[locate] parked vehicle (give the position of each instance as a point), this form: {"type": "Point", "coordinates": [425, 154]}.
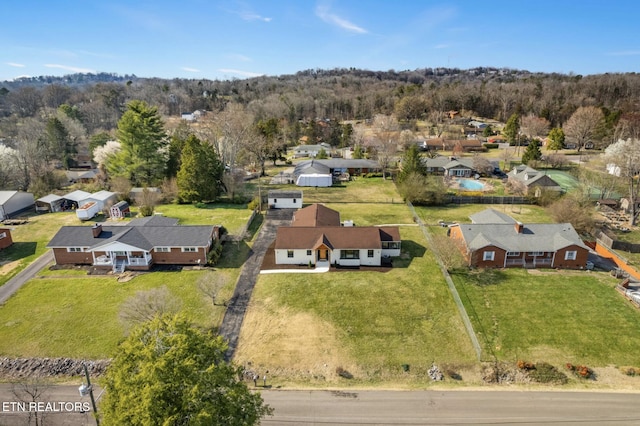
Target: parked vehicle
{"type": "Point", "coordinates": [88, 210]}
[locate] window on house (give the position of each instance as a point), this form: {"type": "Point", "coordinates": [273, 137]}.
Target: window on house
{"type": "Point", "coordinates": [349, 254]}
{"type": "Point", "coordinates": [308, 252]}
{"type": "Point", "coordinates": [294, 201]}
{"type": "Point", "coordinates": [189, 249]}
{"type": "Point", "coordinates": [121, 253]}
{"type": "Point", "coordinates": [513, 253]}
{"type": "Point", "coordinates": [162, 249]}
{"type": "Point", "coordinates": [369, 253]}
{"type": "Point", "coordinates": [488, 255]}
{"type": "Point", "coordinates": [536, 253]}
{"type": "Point", "coordinates": [275, 200]}
{"type": "Point", "coordinates": [289, 253]}
{"type": "Point", "coordinates": [3, 235]}
{"type": "Point", "coordinates": [74, 249]}
{"type": "Point", "coordinates": [390, 245]}
{"type": "Point", "coordinates": [570, 255]}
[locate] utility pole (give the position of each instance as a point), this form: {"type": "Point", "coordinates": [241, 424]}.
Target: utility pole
{"type": "Point", "coordinates": [90, 390]}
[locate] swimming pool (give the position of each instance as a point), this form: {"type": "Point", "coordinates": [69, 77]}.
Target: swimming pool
{"type": "Point", "coordinates": [470, 185]}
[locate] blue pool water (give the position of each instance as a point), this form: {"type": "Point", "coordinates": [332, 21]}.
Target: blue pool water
{"type": "Point", "coordinates": [470, 185]}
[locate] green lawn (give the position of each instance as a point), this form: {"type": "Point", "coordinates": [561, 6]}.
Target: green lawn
{"type": "Point", "coordinates": [556, 317]}
{"type": "Point", "coordinates": [78, 317]}
{"type": "Point", "coordinates": [461, 213]}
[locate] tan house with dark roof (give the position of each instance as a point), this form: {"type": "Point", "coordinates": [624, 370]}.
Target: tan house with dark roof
{"type": "Point", "coordinates": [317, 236]}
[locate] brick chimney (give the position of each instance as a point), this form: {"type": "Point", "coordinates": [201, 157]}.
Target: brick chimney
{"type": "Point", "coordinates": [519, 227]}
{"type": "Point", "coordinates": [97, 230]}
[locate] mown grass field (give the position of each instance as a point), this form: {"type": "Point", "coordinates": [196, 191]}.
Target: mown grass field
{"type": "Point", "coordinates": [553, 316]}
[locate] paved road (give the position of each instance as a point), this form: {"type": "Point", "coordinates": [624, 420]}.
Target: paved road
{"type": "Point", "coordinates": [233, 317]}
{"type": "Point", "coordinates": [14, 284]}
{"type": "Point", "coordinates": [451, 408]}
{"type": "Point", "coordinates": [353, 407]}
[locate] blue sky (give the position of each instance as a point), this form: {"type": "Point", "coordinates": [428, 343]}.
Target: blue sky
{"type": "Point", "coordinates": [239, 39]}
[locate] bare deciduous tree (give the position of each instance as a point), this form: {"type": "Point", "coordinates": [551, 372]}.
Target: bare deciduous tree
{"type": "Point", "coordinates": [146, 305]}
{"type": "Point", "coordinates": [534, 127]}
{"type": "Point", "coordinates": [624, 156]}
{"type": "Point", "coordinates": [582, 126]}
{"type": "Point", "coordinates": [385, 128]}
{"type": "Point", "coordinates": [33, 389]}
{"type": "Point", "coordinates": [211, 284]}
{"type": "Point", "coordinates": [448, 252]}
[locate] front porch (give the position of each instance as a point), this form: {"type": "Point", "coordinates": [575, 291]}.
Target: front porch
{"type": "Point", "coordinates": [118, 261]}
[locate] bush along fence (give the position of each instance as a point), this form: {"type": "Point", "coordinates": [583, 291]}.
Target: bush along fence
{"type": "Point", "coordinates": [450, 284]}
{"type": "Point", "coordinates": [489, 199]}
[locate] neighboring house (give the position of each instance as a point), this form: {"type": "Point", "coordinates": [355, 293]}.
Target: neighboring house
{"type": "Point", "coordinates": [477, 124]}
{"type": "Point", "coordinates": [49, 203]}
{"type": "Point", "coordinates": [495, 240]}
{"type": "Point", "coordinates": [284, 199]}
{"type": "Point", "coordinates": [316, 236]}
{"type": "Point", "coordinates": [138, 245]}
{"type": "Point", "coordinates": [450, 166]}
{"type": "Point", "coordinates": [466, 145]}
{"type": "Point", "coordinates": [310, 150]}
{"type": "Point", "coordinates": [5, 238]}
{"type": "Point", "coordinates": [13, 203]}
{"type": "Point", "coordinates": [188, 116]}
{"type": "Point", "coordinates": [82, 176]}
{"type": "Point", "coordinates": [531, 181]}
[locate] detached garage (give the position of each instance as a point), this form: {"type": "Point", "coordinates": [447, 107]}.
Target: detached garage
{"type": "Point", "coordinates": [12, 203]}
{"type": "Point", "coordinates": [314, 179]}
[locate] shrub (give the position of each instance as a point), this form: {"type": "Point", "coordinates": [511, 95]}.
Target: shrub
{"type": "Point", "coordinates": [491, 145]}
{"type": "Point", "coordinates": [343, 373]}
{"type": "Point", "coordinates": [214, 254]}
{"type": "Point", "coordinates": [547, 373]}
{"type": "Point", "coordinates": [524, 365]}
{"type": "Point", "coordinates": [201, 205]}
{"type": "Point", "coordinates": [253, 204]}
{"type": "Point", "coordinates": [581, 371]}
{"type": "Point", "coordinates": [631, 371]}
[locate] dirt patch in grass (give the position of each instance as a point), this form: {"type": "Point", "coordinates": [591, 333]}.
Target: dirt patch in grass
{"type": "Point", "coordinates": [298, 345]}
{"type": "Point", "coordinates": [7, 267]}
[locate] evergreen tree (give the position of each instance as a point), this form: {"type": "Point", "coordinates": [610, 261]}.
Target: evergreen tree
{"type": "Point", "coordinates": [143, 156]}
{"type": "Point", "coordinates": [59, 143]}
{"type": "Point", "coordinates": [532, 153]}
{"type": "Point", "coordinates": [512, 128]}
{"type": "Point", "coordinates": [167, 372]}
{"type": "Point", "coordinates": [322, 154]}
{"type": "Point", "coordinates": [358, 153]}
{"type": "Point", "coordinates": [556, 139]}
{"type": "Point", "coordinates": [200, 172]}
{"type": "Point", "coordinates": [411, 163]}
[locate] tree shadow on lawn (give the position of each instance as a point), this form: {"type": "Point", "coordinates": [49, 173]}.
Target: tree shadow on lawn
{"type": "Point", "coordinates": [410, 250]}
{"type": "Point", "coordinates": [18, 251]}
{"type": "Point", "coordinates": [481, 277]}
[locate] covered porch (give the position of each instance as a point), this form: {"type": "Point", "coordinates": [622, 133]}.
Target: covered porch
{"type": "Point", "coordinates": [119, 257]}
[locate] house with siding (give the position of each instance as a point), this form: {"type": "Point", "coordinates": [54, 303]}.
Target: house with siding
{"type": "Point", "coordinates": [531, 181]}
{"type": "Point", "coordinates": [138, 245]}
{"type": "Point", "coordinates": [450, 166]}
{"type": "Point", "coordinates": [317, 236]}
{"type": "Point", "coordinates": [495, 240]}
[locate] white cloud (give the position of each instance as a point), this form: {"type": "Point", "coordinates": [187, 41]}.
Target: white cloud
{"type": "Point", "coordinates": [239, 57]}
{"type": "Point", "coordinates": [70, 68]}
{"type": "Point", "coordinates": [250, 16]}
{"type": "Point", "coordinates": [323, 13]}
{"type": "Point", "coordinates": [13, 64]}
{"type": "Point", "coordinates": [441, 46]}
{"type": "Point", "coordinates": [240, 72]}
{"type": "Point", "coordinates": [190, 69]}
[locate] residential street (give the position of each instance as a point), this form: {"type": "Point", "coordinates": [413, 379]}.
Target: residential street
{"type": "Point", "coordinates": [354, 407]}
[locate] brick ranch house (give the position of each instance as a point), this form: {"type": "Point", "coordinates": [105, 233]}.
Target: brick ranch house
{"type": "Point", "coordinates": [495, 240]}
{"type": "Point", "coordinates": [317, 236]}
{"type": "Point", "coordinates": [137, 245]}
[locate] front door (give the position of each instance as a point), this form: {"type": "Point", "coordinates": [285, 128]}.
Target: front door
{"type": "Point", "coordinates": [323, 254]}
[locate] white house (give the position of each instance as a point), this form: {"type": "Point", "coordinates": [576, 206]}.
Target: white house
{"type": "Point", "coordinates": [316, 236]}
{"type": "Point", "coordinates": [285, 199]}
{"type": "Point", "coordinates": [15, 202]}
